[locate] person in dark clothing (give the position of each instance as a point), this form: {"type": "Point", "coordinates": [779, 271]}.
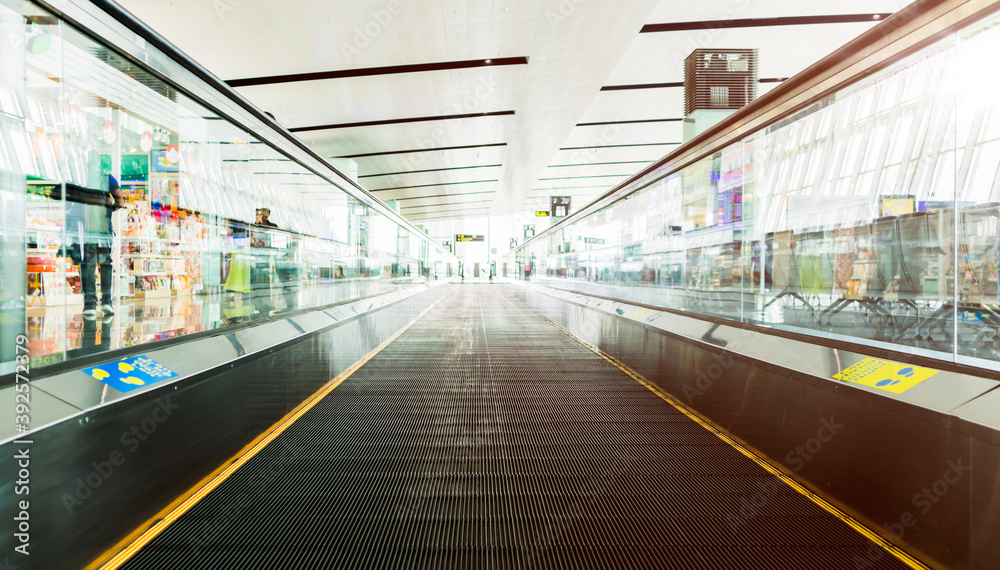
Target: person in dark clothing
{"type": "Point", "coordinates": [262, 215]}
{"type": "Point", "coordinates": [90, 234]}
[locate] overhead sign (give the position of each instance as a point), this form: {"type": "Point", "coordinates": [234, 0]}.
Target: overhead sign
{"type": "Point", "coordinates": [469, 237]}
{"type": "Point", "coordinates": [131, 373]}
{"type": "Point", "coordinates": [885, 375]}
{"type": "Point", "coordinates": [559, 206]}
{"type": "Point", "coordinates": [597, 241]}
{"type": "Point", "coordinates": [529, 231]}
{"type": "Point", "coordinates": [541, 213]}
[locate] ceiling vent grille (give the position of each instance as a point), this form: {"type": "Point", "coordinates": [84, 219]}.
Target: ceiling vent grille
{"type": "Point", "coordinates": [719, 79]}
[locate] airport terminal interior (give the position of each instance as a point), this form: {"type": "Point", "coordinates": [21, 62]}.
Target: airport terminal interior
{"type": "Point", "coordinates": [499, 284]}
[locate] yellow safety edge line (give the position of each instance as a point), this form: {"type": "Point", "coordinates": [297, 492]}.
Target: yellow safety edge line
{"type": "Point", "coordinates": [892, 549]}
{"type": "Point", "coordinates": [130, 545]}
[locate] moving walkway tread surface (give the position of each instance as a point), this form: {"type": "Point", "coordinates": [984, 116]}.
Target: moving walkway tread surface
{"type": "Point", "coordinates": [484, 437]}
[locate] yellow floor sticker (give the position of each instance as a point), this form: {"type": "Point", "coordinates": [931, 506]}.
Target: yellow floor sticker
{"type": "Point", "coordinates": [885, 375]}
{"type": "Point", "coordinates": [638, 313]}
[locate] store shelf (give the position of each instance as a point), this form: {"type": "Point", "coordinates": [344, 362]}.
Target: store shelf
{"type": "Point", "coordinates": [161, 293]}
{"type": "Point", "coordinates": [150, 239]}
{"type": "Point", "coordinates": [36, 301]}
{"type": "Point", "coordinates": [67, 273]}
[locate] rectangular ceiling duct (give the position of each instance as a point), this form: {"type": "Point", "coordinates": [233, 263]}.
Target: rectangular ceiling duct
{"type": "Point", "coordinates": [719, 79]}
{"type": "Point", "coordinates": [716, 83]}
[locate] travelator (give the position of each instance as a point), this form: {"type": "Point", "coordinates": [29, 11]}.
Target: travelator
{"type": "Point", "coordinates": [859, 281]}
{"type": "Point", "coordinates": [113, 415]}
{"type": "Point", "coordinates": [446, 424]}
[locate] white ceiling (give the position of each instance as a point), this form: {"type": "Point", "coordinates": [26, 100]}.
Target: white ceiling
{"type": "Point", "coordinates": [574, 47]}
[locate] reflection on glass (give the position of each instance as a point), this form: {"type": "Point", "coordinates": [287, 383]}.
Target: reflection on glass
{"type": "Point", "coordinates": [130, 211]}
{"type": "Point", "coordinates": [873, 216]}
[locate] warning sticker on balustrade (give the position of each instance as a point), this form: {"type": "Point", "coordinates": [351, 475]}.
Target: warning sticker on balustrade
{"type": "Point", "coordinates": [131, 373]}
{"type": "Point", "coordinates": [885, 375]}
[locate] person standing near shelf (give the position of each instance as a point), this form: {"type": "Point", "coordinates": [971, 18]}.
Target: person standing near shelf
{"type": "Point", "coordinates": [262, 215]}
{"type": "Point", "coordinates": [90, 234]}
{"type": "Point", "coordinates": [263, 262]}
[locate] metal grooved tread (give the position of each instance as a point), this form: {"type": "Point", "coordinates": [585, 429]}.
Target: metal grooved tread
{"type": "Point", "coordinates": [483, 437]}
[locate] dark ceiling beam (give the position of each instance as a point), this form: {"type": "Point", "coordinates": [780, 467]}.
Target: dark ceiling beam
{"type": "Point", "coordinates": [431, 170]}
{"type": "Point", "coordinates": [456, 214]}
{"type": "Point", "coordinates": [618, 145]}
{"type": "Point", "coordinates": [448, 217]}
{"type": "Point", "coordinates": [633, 122]}
{"type": "Point", "coordinates": [445, 204]}
{"type": "Point", "coordinates": [592, 176]}
{"type": "Point", "coordinates": [373, 71]}
{"type": "Point", "coordinates": [561, 188]}
{"type": "Point", "coordinates": [673, 84]}
{"type": "Point", "coordinates": [445, 214]}
{"type": "Point", "coordinates": [256, 160]}
{"type": "Point", "coordinates": [382, 122]}
{"type": "Point", "coordinates": [763, 22]}
{"type": "Point", "coordinates": [417, 150]}
{"type": "Point", "coordinates": [441, 195]}
{"type": "Point", "coordinates": [601, 163]}
{"type": "Point", "coordinates": [642, 86]}
{"type": "Point", "coordinates": [432, 185]}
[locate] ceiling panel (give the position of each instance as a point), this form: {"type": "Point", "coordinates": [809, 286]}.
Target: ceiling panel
{"type": "Point", "coordinates": [395, 96]}
{"type": "Point", "coordinates": [573, 49]}
{"type": "Point", "coordinates": [440, 191]}
{"type": "Point", "coordinates": [613, 154]}
{"type": "Point", "coordinates": [664, 103]}
{"type": "Point", "coordinates": [436, 134]}
{"type": "Point", "coordinates": [624, 134]}
{"type": "Point", "coordinates": [659, 57]}
{"type": "Point", "coordinates": [426, 158]}
{"type": "Point", "coordinates": [461, 174]}
{"type": "Point", "coordinates": [696, 11]}
{"type": "Point", "coordinates": [610, 171]}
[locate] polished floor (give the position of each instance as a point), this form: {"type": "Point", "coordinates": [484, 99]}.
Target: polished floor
{"type": "Point", "coordinates": [63, 332]}
{"type": "Point", "coordinates": [484, 437]}
{"type": "Point", "coordinates": [933, 328]}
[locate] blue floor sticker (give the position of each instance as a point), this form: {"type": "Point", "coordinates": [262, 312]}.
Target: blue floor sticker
{"type": "Point", "coordinates": [131, 373]}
